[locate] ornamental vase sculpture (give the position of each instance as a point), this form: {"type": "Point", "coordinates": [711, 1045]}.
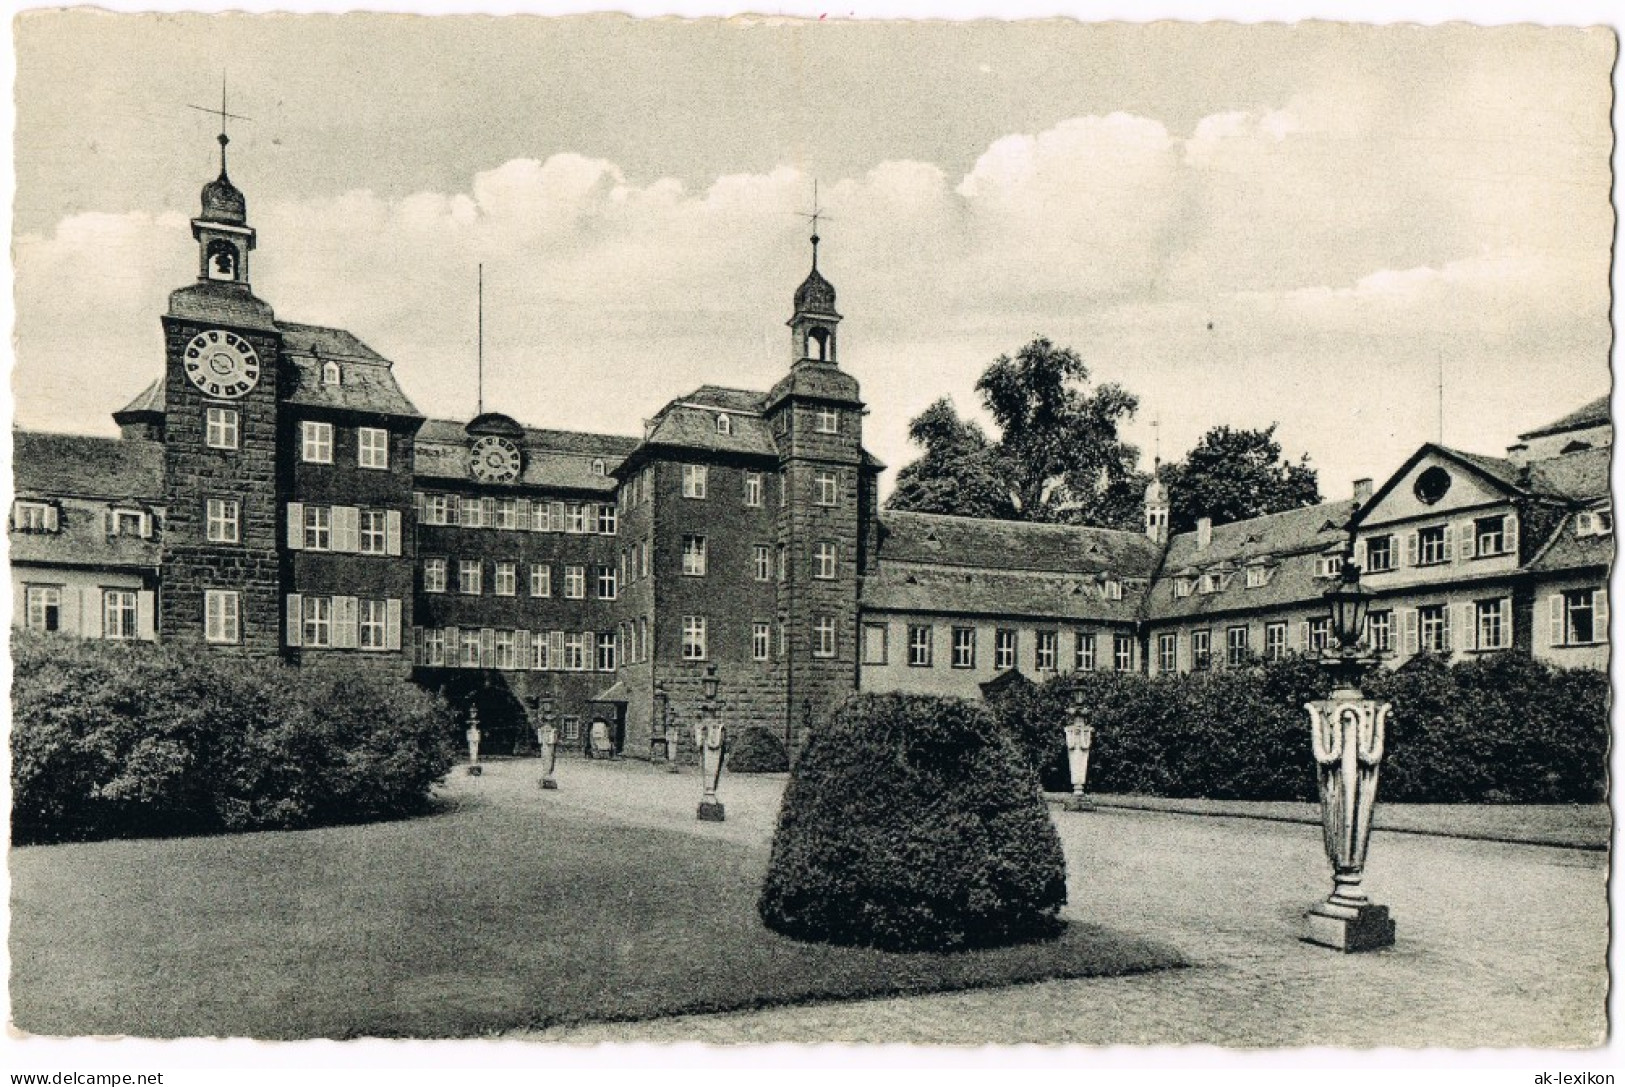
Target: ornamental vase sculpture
{"type": "Point", "coordinates": [1079, 739]}
{"type": "Point", "coordinates": [473, 738]}
{"type": "Point", "coordinates": [1346, 732]}
{"type": "Point", "coordinates": [711, 738]}
{"type": "Point", "coordinates": [547, 739]}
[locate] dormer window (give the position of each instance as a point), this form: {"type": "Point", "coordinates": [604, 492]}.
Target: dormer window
{"type": "Point", "coordinates": [1182, 587]}
{"type": "Point", "coordinates": [128, 522]}
{"type": "Point", "coordinates": [33, 517]}
{"type": "Point", "coordinates": [725, 425]}
{"type": "Point", "coordinates": [1328, 565]}
{"type": "Point", "coordinates": [598, 467]}
{"type": "Point", "coordinates": [1258, 576]}
{"type": "Point", "coordinates": [1209, 584]}
{"type": "Point", "coordinates": [1598, 522]}
{"type": "Point", "coordinates": [1111, 589]}
{"type": "Point", "coordinates": [331, 374]}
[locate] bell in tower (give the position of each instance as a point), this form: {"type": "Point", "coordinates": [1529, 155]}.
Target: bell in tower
{"type": "Point", "coordinates": [812, 329]}
{"type": "Point", "coordinates": [223, 235]}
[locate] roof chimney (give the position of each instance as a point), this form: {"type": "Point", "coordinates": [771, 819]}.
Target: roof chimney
{"type": "Point", "coordinates": [1362, 491]}
{"type": "Point", "coordinates": [1518, 453]}
{"type": "Point", "coordinates": [1204, 533]}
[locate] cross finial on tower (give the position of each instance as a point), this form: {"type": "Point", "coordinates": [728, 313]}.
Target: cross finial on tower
{"type": "Point", "coordinates": [813, 216]}
{"type": "Point", "coordinates": [1156, 438]}
{"type": "Point", "coordinates": [223, 115]}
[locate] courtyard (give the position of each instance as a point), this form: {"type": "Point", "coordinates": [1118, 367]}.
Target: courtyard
{"type": "Point", "coordinates": [605, 912]}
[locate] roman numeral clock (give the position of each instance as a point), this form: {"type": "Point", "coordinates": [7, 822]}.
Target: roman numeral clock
{"type": "Point", "coordinates": [222, 364]}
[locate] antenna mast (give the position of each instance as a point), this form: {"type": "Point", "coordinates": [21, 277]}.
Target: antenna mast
{"type": "Point", "coordinates": [1439, 357]}
{"type": "Point", "coordinates": [480, 343]}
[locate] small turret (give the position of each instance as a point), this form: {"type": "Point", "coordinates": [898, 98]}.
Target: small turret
{"type": "Point", "coordinates": [1156, 507]}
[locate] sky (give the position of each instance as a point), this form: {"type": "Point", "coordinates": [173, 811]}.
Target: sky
{"type": "Point", "coordinates": [1303, 225]}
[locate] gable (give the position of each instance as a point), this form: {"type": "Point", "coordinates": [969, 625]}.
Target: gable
{"type": "Point", "coordinates": [1465, 487]}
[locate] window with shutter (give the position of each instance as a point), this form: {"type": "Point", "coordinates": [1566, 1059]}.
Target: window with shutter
{"type": "Point", "coordinates": [1412, 549]}
{"type": "Point", "coordinates": [1413, 635]}
{"type": "Point", "coordinates": [1467, 627]}
{"type": "Point", "coordinates": [296, 526]}
{"type": "Point", "coordinates": [1465, 544]}
{"type": "Point", "coordinates": [1599, 604]}
{"type": "Point", "coordinates": [1554, 604]}
{"type": "Point", "coordinates": [392, 625]}
{"type": "Point", "coordinates": [296, 620]}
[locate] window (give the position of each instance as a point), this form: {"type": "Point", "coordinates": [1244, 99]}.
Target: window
{"type": "Point", "coordinates": [468, 577]}
{"type": "Point", "coordinates": [1201, 650]}
{"type": "Point", "coordinates": [693, 637]}
{"type": "Point", "coordinates": [1235, 647]}
{"type": "Point", "coordinates": [607, 582]}
{"type": "Point", "coordinates": [470, 655]}
{"type": "Point", "coordinates": [1182, 587]}
{"type": "Point", "coordinates": [1433, 620]}
{"type": "Point", "coordinates": [541, 650]}
{"type": "Point", "coordinates": [828, 421]}
{"type": "Point", "coordinates": [824, 637]}
{"type": "Point", "coordinates": [331, 375]}
{"type": "Point", "coordinates": [606, 520]}
{"type": "Point", "coordinates": [1084, 653]}
{"type": "Point", "coordinates": [694, 481]}
{"type": "Point", "coordinates": [1379, 554]}
{"type": "Point", "coordinates": [920, 642]}
{"type": "Point", "coordinates": [434, 575]}
{"type": "Point", "coordinates": [783, 561]}
{"type": "Point", "coordinates": [44, 607]}
{"type": "Point", "coordinates": [374, 525]}
{"type": "Point", "coordinates": [1490, 536]}
{"type": "Point", "coordinates": [1433, 545]}
{"type": "Point", "coordinates": [694, 556]}
{"type": "Point", "coordinates": [824, 488]}
{"type": "Point", "coordinates": [1491, 623]}
{"type": "Point", "coordinates": [643, 636]}
{"type": "Point", "coordinates": [372, 447]}
{"type": "Point", "coordinates": [541, 579]}
{"type": "Point", "coordinates": [1209, 583]}
{"type": "Point", "coordinates": [374, 624]}
{"type": "Point", "coordinates": [505, 583]}
{"type": "Point", "coordinates": [1004, 650]}
{"type": "Point", "coordinates": [505, 513]}
{"type": "Point", "coordinates": [575, 518]}
{"type": "Point", "coordinates": [34, 517]}
{"type": "Point", "coordinates": [725, 425]}
{"type": "Point", "coordinates": [220, 428]}
{"type": "Point", "coordinates": [575, 583]}
{"type": "Point", "coordinates": [1111, 589]}
{"type": "Point", "coordinates": [504, 650]}
{"type": "Point", "coordinates": [1168, 652]}
{"type": "Point", "coordinates": [222, 616]}
{"type": "Point", "coordinates": [118, 614]}
{"type": "Point", "coordinates": [1123, 652]}
{"type": "Point", "coordinates": [317, 442]}
{"type": "Point", "coordinates": [1046, 650]}
{"type": "Point", "coordinates": [224, 520]}
{"type": "Point", "coordinates": [1318, 634]}
{"type": "Point", "coordinates": [576, 647]}
{"type": "Point", "coordinates": [874, 643]}
{"type": "Point", "coordinates": [1598, 522]}
{"type": "Point", "coordinates": [763, 562]}
{"type": "Point", "coordinates": [541, 517]}
{"type": "Point", "coordinates": [437, 509]}
{"type": "Point", "coordinates": [1257, 576]}
{"type": "Point", "coordinates": [129, 523]}
{"type": "Point", "coordinates": [1328, 565]}
{"type": "Point", "coordinates": [1275, 641]}
{"type": "Point", "coordinates": [1379, 626]}
{"type": "Point", "coordinates": [318, 528]}
{"type": "Point", "coordinates": [606, 652]}
{"type": "Point", "coordinates": [318, 621]}
{"type": "Point", "coordinates": [643, 558]}
{"type": "Point", "coordinates": [433, 652]}
{"type": "Point", "coordinates": [824, 561]}
{"type": "Point", "coordinates": [599, 468]}
{"type": "Point", "coordinates": [753, 489]}
{"type": "Point", "coordinates": [1579, 617]}
{"type": "Point", "coordinates": [761, 641]}
{"type": "Point", "coordinates": [572, 729]}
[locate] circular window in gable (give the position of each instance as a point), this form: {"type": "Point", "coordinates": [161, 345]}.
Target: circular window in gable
{"type": "Point", "coordinates": [1432, 485]}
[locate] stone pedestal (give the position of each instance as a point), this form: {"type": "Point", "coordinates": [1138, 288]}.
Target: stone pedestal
{"type": "Point", "coordinates": [475, 771]}
{"type": "Point", "coordinates": [1076, 802]}
{"type": "Point", "coordinates": [1349, 928]}
{"type": "Point", "coordinates": [711, 812]}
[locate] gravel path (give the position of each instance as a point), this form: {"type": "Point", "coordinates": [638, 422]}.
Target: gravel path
{"type": "Point", "coordinates": [1498, 944]}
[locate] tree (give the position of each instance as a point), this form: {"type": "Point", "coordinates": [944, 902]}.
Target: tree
{"type": "Point", "coordinates": [1232, 475]}
{"type": "Point", "coordinates": [1058, 457]}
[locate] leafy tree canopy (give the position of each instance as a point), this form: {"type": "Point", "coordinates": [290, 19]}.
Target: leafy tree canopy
{"type": "Point", "coordinates": [1232, 475]}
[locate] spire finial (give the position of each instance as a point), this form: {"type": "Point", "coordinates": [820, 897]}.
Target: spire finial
{"type": "Point", "coordinates": [814, 215]}
{"type": "Point", "coordinates": [223, 115]}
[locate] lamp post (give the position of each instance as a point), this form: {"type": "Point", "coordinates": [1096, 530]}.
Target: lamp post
{"type": "Point", "coordinates": [711, 739]}
{"type": "Point", "coordinates": [1080, 737]}
{"type": "Point", "coordinates": [1346, 733]}
{"type": "Point", "coordinates": [473, 738]}
{"type": "Point", "coordinates": [663, 709]}
{"type": "Point", "coordinates": [547, 742]}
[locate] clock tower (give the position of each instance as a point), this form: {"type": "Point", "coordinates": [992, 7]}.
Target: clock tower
{"type": "Point", "coordinates": [223, 368]}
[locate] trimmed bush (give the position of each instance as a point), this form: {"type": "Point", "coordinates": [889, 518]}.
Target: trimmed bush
{"type": "Point", "coordinates": [913, 823]}
{"type": "Point", "coordinates": [122, 740]}
{"type": "Point", "coordinates": [1502, 728]}
{"type": "Point", "coordinates": [757, 751]}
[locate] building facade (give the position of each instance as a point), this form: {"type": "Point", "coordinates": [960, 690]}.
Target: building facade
{"type": "Point", "coordinates": [275, 493]}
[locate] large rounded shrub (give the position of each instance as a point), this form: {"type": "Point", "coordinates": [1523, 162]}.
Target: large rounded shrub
{"type": "Point", "coordinates": [757, 751]}
{"type": "Point", "coordinates": [913, 823]}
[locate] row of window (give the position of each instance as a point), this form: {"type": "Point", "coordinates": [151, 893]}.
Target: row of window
{"type": "Point", "coordinates": [348, 529]}
{"type": "Point", "coordinates": [1433, 545]}
{"type": "Point", "coordinates": [505, 579]}
{"type": "Point", "coordinates": [695, 638]}
{"type": "Point", "coordinates": [316, 441]}
{"type": "Point", "coordinates": [517, 514]}
{"type": "Point", "coordinates": [119, 612]}
{"type": "Point", "coordinates": [825, 421]}
{"type": "Point", "coordinates": [697, 485]}
{"type": "Point", "coordinates": [962, 648]}
{"type": "Point", "coordinates": [543, 650]}
{"type": "Point", "coordinates": [32, 515]}
{"type": "Point", "coordinates": [343, 622]}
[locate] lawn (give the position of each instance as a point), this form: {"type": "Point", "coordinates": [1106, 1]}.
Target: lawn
{"type": "Point", "coordinates": [504, 909]}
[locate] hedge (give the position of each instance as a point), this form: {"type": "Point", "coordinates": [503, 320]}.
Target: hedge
{"type": "Point", "coordinates": [1502, 728]}
{"type": "Point", "coordinates": [912, 823]}
{"type": "Point", "coordinates": [116, 740]}
{"type": "Point", "coordinates": [757, 751]}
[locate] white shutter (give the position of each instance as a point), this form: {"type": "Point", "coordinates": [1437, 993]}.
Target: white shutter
{"type": "Point", "coordinates": [1444, 628]}
{"type": "Point", "coordinates": [296, 526]}
{"type": "Point", "coordinates": [90, 612]}
{"type": "Point", "coordinates": [392, 532]}
{"type": "Point", "coordinates": [556, 649]}
{"type": "Point", "coordinates": [454, 510]}
{"type": "Point", "coordinates": [556, 515]}
{"type": "Point", "coordinates": [1467, 627]}
{"type": "Point", "coordinates": [346, 622]}
{"type": "Point", "coordinates": [296, 620]}
{"type": "Point", "coordinates": [146, 602]}
{"type": "Point", "coordinates": [146, 526]}
{"type": "Point", "coordinates": [1303, 636]}
{"type": "Point", "coordinates": [1466, 542]}
{"type": "Point", "coordinates": [392, 625]}
{"type": "Point", "coordinates": [488, 512]}
{"type": "Point", "coordinates": [346, 529]}
{"type": "Point", "coordinates": [1413, 633]}
{"type": "Point", "coordinates": [1360, 557]}
{"type": "Point", "coordinates": [1555, 608]}
{"type": "Point", "coordinates": [522, 513]}
{"type": "Point", "coordinates": [1449, 544]}
{"type": "Point", "coordinates": [453, 653]}
{"type": "Point", "coordinates": [52, 513]}
{"type": "Point", "coordinates": [1506, 623]}
{"type": "Point", "coordinates": [488, 647]}
{"type": "Point", "coordinates": [1412, 549]}
{"type": "Point", "coordinates": [417, 505]}
{"type": "Point", "coordinates": [1509, 526]}
{"type": "Point", "coordinates": [1599, 615]}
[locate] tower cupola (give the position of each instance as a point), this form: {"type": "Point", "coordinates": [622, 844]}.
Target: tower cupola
{"type": "Point", "coordinates": [1156, 507]}
{"type": "Point", "coordinates": [223, 235]}
{"type": "Point", "coordinates": [812, 327]}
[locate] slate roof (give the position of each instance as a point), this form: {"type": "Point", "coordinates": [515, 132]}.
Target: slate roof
{"type": "Point", "coordinates": [1499, 469]}
{"type": "Point", "coordinates": [229, 303]}
{"type": "Point", "coordinates": [1592, 414]}
{"type": "Point", "coordinates": [938, 539]}
{"type": "Point", "coordinates": [81, 539]}
{"type": "Point", "coordinates": [75, 465]}
{"type": "Point", "coordinates": [961, 590]}
{"type": "Point", "coordinates": [1580, 476]}
{"type": "Point", "coordinates": [685, 426]}
{"type": "Point", "coordinates": [367, 381]}
{"type": "Point", "coordinates": [1568, 551]}
{"type": "Point", "coordinates": [1310, 528]}
{"type": "Point", "coordinates": [554, 459]}
{"type": "Point", "coordinates": [150, 401]}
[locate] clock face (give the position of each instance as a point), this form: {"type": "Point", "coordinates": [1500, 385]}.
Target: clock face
{"type": "Point", "coordinates": [494, 460]}
{"type": "Point", "coordinates": [222, 363]}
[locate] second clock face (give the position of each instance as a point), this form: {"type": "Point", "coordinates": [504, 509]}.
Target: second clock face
{"type": "Point", "coordinates": [494, 460]}
{"type": "Point", "coordinates": [222, 363]}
